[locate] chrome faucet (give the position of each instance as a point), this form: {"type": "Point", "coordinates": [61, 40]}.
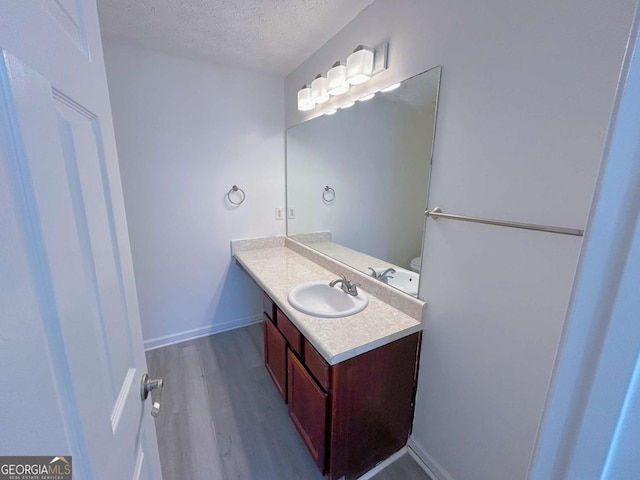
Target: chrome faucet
{"type": "Point", "coordinates": [373, 272]}
{"type": "Point", "coordinates": [348, 287]}
{"type": "Point", "coordinates": [386, 275]}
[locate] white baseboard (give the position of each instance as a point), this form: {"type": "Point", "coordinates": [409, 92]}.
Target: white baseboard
{"type": "Point", "coordinates": [384, 464]}
{"type": "Point", "coordinates": [159, 342]}
{"type": "Point", "coordinates": [426, 462]}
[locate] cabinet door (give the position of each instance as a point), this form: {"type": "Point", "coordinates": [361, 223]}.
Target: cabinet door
{"type": "Point", "coordinates": [308, 410]}
{"type": "Point", "coordinates": [275, 356]}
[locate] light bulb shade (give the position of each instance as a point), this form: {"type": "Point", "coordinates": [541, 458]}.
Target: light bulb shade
{"type": "Point", "coordinates": [337, 80]}
{"type": "Point", "coordinates": [359, 66]}
{"type": "Point", "coordinates": [391, 88]}
{"type": "Point", "coordinates": [319, 92]}
{"type": "Point", "coordinates": [305, 103]}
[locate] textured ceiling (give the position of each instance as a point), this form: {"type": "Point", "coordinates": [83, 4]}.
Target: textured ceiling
{"type": "Point", "coordinates": [273, 36]}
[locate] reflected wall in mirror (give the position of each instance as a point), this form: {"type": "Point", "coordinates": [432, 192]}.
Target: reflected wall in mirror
{"type": "Point", "coordinates": [375, 158]}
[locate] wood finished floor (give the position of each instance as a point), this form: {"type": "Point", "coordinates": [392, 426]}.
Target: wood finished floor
{"type": "Point", "coordinates": [222, 418]}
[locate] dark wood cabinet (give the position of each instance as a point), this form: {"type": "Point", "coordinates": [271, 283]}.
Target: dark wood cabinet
{"type": "Point", "coordinates": [318, 367]}
{"type": "Point", "coordinates": [275, 356]}
{"type": "Point", "coordinates": [308, 410]}
{"type": "Point", "coordinates": [372, 401]}
{"type": "Point", "coordinates": [352, 415]}
{"type": "Point", "coordinates": [268, 307]}
{"type": "Point", "coordinates": [290, 332]}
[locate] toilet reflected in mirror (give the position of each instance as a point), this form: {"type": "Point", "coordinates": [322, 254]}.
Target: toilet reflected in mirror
{"type": "Point", "coordinates": [415, 264]}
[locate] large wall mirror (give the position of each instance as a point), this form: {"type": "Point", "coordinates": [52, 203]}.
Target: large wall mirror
{"type": "Point", "coordinates": [357, 181]}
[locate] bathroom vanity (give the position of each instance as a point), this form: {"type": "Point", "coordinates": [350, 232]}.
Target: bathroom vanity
{"type": "Point", "coordinates": [349, 382]}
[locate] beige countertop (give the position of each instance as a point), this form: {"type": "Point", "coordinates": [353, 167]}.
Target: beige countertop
{"type": "Point", "coordinates": [278, 269]}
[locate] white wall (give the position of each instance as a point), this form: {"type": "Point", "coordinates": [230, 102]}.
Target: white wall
{"type": "Point", "coordinates": [379, 171]}
{"type": "Point", "coordinates": [186, 132]}
{"type": "Point", "coordinates": [526, 93]}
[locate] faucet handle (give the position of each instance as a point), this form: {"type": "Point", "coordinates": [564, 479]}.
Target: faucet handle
{"type": "Point", "coordinates": [373, 272]}
{"type": "Point", "coordinates": [347, 286]}
{"type": "Point", "coordinates": [352, 288]}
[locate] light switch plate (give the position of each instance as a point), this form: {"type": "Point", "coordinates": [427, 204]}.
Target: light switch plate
{"type": "Point", "coordinates": [279, 213]}
{"type": "Point", "coordinates": [291, 212]}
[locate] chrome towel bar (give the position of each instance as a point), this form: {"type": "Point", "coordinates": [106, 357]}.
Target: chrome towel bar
{"type": "Point", "coordinates": [437, 213]}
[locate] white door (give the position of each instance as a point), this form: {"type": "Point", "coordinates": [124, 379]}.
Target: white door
{"type": "Point", "coordinates": [71, 356]}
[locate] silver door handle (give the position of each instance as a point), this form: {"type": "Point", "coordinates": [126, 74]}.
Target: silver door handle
{"type": "Point", "coordinates": [146, 386]}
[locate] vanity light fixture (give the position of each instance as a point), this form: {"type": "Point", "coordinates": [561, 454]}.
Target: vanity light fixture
{"type": "Point", "coordinates": [319, 92]}
{"type": "Point", "coordinates": [367, 97]}
{"type": "Point", "coordinates": [331, 112]}
{"type": "Point", "coordinates": [304, 99]}
{"type": "Point", "coordinates": [360, 65]}
{"type": "Point", "coordinates": [337, 79]}
{"type": "Point", "coordinates": [391, 88]}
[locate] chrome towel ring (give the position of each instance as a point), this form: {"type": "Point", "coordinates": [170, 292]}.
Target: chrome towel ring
{"type": "Point", "coordinates": [236, 188]}
{"type": "Point", "coordinates": [328, 194]}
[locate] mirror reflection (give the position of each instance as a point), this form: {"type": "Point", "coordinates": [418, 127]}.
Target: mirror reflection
{"type": "Point", "coordinates": [357, 181]}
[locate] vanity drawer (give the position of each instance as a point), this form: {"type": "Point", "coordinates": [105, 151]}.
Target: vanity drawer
{"type": "Point", "coordinates": [268, 307]}
{"type": "Point", "coordinates": [317, 365]}
{"type": "Point", "coordinates": [289, 331]}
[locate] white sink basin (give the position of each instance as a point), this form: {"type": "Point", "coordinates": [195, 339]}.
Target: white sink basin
{"type": "Point", "coordinates": [404, 280]}
{"type": "Point", "coordinates": [321, 300]}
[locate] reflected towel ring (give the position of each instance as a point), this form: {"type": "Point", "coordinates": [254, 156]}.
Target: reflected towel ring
{"type": "Point", "coordinates": [236, 188]}
{"type": "Point", "coordinates": [329, 194]}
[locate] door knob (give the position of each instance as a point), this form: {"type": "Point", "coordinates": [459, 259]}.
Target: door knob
{"type": "Point", "coordinates": [146, 386]}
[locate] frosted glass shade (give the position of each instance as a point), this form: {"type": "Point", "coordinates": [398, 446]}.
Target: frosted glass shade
{"type": "Point", "coordinates": [337, 80]}
{"type": "Point", "coordinates": [367, 97]}
{"type": "Point", "coordinates": [305, 103]}
{"type": "Point", "coordinates": [391, 88]}
{"type": "Point", "coordinates": [359, 66]}
{"type": "Point", "coordinates": [319, 93]}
